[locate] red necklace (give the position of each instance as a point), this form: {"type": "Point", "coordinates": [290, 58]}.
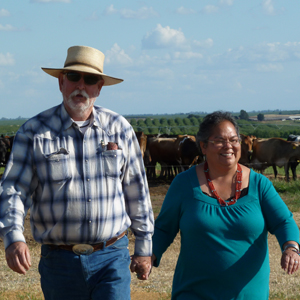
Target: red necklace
{"type": "Point", "coordinates": [238, 185]}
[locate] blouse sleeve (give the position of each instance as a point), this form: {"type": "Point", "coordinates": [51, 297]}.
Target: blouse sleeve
{"type": "Point", "coordinates": [279, 220]}
{"type": "Point", "coordinates": [167, 223]}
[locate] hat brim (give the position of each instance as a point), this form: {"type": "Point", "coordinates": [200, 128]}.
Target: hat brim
{"type": "Point", "coordinates": [108, 80]}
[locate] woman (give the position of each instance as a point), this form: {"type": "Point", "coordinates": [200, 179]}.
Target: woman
{"type": "Point", "coordinates": [224, 212]}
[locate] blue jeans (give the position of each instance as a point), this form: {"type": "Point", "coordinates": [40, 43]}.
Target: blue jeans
{"type": "Point", "coordinates": [104, 274]}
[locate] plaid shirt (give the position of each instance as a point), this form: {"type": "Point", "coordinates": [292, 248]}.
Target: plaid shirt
{"type": "Point", "coordinates": [76, 189]}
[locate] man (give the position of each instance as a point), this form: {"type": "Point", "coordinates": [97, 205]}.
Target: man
{"type": "Point", "coordinates": [79, 169]}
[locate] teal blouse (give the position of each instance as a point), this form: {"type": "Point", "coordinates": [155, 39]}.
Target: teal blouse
{"type": "Point", "coordinates": [224, 250]}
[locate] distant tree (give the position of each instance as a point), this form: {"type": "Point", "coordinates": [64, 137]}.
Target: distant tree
{"type": "Point", "coordinates": [141, 123]}
{"type": "Point", "coordinates": [148, 122]}
{"type": "Point", "coordinates": [260, 117]}
{"type": "Point", "coordinates": [163, 121]}
{"type": "Point", "coordinates": [133, 122]}
{"type": "Point", "coordinates": [171, 122]}
{"type": "Point", "coordinates": [244, 115]}
{"type": "Point", "coordinates": [194, 121]}
{"type": "Point", "coordinates": [156, 122]}
{"type": "Point", "coordinates": [186, 121]}
{"type": "Point", "coordinates": [179, 121]}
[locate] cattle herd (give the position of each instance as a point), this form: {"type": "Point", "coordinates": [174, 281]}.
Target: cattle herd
{"type": "Point", "coordinates": [178, 153]}
{"type": "Point", "coordinates": [6, 143]}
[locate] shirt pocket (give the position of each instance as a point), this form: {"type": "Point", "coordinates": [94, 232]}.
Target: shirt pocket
{"type": "Point", "coordinates": [113, 161]}
{"type": "Point", "coordinates": [58, 165]}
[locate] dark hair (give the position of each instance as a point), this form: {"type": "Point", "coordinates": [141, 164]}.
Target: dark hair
{"type": "Point", "coordinates": [210, 121]}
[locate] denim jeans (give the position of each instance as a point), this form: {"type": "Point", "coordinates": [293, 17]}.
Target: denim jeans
{"type": "Point", "coordinates": [104, 274]}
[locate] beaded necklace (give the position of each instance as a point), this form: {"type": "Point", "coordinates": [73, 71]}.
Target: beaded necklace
{"type": "Point", "coordinates": [238, 185]}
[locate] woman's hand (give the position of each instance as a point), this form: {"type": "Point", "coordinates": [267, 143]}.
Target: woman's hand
{"type": "Point", "coordinates": [290, 261]}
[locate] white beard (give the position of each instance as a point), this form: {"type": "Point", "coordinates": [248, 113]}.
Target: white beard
{"type": "Point", "coordinates": [80, 106]}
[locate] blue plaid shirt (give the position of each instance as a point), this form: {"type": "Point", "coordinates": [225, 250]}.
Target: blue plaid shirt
{"type": "Point", "coordinates": [76, 189]}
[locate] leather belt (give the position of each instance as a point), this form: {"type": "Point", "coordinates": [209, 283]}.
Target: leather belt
{"type": "Point", "coordinates": [86, 249]}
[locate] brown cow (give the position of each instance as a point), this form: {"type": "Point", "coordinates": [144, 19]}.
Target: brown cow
{"type": "Point", "coordinates": [162, 151]}
{"type": "Point", "coordinates": [188, 152]}
{"type": "Point", "coordinates": [174, 154]}
{"type": "Point", "coordinates": [274, 152]}
{"type": "Point", "coordinates": [246, 149]}
{"type": "Point", "coordinates": [142, 139]}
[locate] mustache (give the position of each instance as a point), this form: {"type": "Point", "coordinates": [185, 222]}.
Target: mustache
{"type": "Point", "coordinates": [78, 92]}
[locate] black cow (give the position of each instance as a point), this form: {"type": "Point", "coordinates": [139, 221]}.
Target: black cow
{"type": "Point", "coordinates": [3, 153]}
{"type": "Point", "coordinates": [7, 141]}
{"type": "Point", "coordinates": [293, 162]}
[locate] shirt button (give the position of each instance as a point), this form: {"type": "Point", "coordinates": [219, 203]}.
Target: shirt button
{"type": "Point", "coordinates": [90, 221]}
{"type": "Point", "coordinates": [88, 179]}
{"type": "Point", "coordinates": [90, 200]}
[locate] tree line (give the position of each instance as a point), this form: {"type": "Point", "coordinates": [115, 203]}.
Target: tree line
{"type": "Point", "coordinates": [190, 125]}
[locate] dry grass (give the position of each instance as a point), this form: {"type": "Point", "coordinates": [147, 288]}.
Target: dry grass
{"type": "Point", "coordinates": [14, 286]}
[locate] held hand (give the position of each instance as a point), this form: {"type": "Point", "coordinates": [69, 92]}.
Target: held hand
{"type": "Point", "coordinates": [290, 261]}
{"type": "Point", "coordinates": [141, 265]}
{"type": "Point", "coordinates": [18, 257]}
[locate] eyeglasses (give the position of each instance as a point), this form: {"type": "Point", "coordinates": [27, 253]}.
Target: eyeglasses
{"type": "Point", "coordinates": [221, 143]}
{"type": "Point", "coordinates": [89, 79]}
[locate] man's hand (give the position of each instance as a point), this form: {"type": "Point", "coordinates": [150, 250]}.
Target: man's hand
{"type": "Point", "coordinates": [141, 265]}
{"type": "Point", "coordinates": [18, 257]}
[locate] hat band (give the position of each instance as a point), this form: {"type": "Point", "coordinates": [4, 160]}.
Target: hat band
{"type": "Point", "coordinates": [88, 65]}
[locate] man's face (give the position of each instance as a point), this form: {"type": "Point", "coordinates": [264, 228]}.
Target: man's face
{"type": "Point", "coordinates": [79, 94]}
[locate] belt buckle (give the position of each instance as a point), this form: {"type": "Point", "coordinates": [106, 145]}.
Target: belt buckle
{"type": "Point", "coordinates": [83, 249]}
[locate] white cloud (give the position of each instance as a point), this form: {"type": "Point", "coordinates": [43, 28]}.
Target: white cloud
{"type": "Point", "coordinates": [4, 13]}
{"type": "Point", "coordinates": [6, 59]}
{"type": "Point", "coordinates": [110, 10]}
{"type": "Point", "coordinates": [185, 11]}
{"type": "Point", "coordinates": [50, 1]}
{"type": "Point", "coordinates": [268, 7]}
{"type": "Point", "coordinates": [116, 55]}
{"type": "Point", "coordinates": [237, 86]}
{"type": "Point", "coordinates": [161, 73]}
{"type": "Point", "coordinates": [208, 43]}
{"type": "Point", "coordinates": [210, 9]}
{"type": "Point", "coordinates": [141, 14]}
{"type": "Point", "coordinates": [7, 27]}
{"type": "Point", "coordinates": [266, 54]}
{"type": "Point", "coordinates": [226, 2]}
{"type": "Point", "coordinates": [92, 17]}
{"type": "Point", "coordinates": [163, 37]}
{"type": "Point", "coordinates": [187, 55]}
{"type": "Point", "coordinates": [30, 92]}
{"type": "Point", "coordinates": [269, 67]}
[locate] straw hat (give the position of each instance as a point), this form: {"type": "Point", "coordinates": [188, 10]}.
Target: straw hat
{"type": "Point", "coordinates": [84, 59]}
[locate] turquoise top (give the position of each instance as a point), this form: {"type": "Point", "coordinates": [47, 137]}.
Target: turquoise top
{"type": "Point", "coordinates": [224, 249]}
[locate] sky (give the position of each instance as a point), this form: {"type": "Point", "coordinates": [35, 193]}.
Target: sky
{"type": "Point", "coordinates": [174, 56]}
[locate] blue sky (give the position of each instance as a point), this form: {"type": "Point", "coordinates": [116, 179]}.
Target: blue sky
{"type": "Point", "coordinates": [174, 56]}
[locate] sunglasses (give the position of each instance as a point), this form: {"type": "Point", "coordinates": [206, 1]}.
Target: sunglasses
{"type": "Point", "coordinates": [89, 79]}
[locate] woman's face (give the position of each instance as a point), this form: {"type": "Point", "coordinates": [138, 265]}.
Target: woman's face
{"type": "Point", "coordinates": [223, 146]}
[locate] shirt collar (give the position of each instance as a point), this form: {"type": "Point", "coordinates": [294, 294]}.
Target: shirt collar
{"type": "Point", "coordinates": [67, 121]}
